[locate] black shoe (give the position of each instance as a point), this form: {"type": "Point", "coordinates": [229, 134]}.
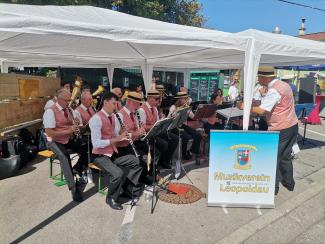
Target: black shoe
{"type": "Point", "coordinates": [113, 204]}
{"type": "Point", "coordinates": [276, 191]}
{"type": "Point", "coordinates": [289, 187]}
{"type": "Point", "coordinates": [147, 180]}
{"type": "Point", "coordinates": [76, 194]}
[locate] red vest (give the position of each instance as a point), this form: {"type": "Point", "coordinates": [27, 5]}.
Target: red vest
{"type": "Point", "coordinates": [129, 124]}
{"type": "Point", "coordinates": [61, 123]}
{"type": "Point", "coordinates": [151, 117]}
{"type": "Point", "coordinates": [85, 116]}
{"type": "Point", "coordinates": [108, 132]}
{"type": "Point", "coordinates": [283, 114]}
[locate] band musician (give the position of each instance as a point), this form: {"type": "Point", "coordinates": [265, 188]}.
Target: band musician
{"type": "Point", "coordinates": [188, 133]}
{"type": "Point", "coordinates": [118, 92]}
{"type": "Point", "coordinates": [277, 104]}
{"type": "Point", "coordinates": [60, 125]}
{"type": "Point", "coordinates": [105, 134]}
{"type": "Point", "coordinates": [166, 143]}
{"type": "Point", "coordinates": [131, 123]}
{"type": "Point", "coordinates": [84, 110]}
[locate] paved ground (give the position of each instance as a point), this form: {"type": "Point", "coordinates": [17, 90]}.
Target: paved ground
{"type": "Point", "coordinates": [33, 210]}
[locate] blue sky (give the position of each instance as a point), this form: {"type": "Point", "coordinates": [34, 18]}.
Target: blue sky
{"type": "Point", "coordinates": [239, 15]}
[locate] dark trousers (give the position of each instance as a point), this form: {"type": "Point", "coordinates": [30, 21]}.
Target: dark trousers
{"type": "Point", "coordinates": [284, 171]}
{"type": "Point", "coordinates": [208, 127]}
{"type": "Point", "coordinates": [61, 151]}
{"type": "Point", "coordinates": [120, 169]}
{"type": "Point", "coordinates": [190, 133]}
{"type": "Point", "coordinates": [170, 144]}
{"type": "Point", "coordinates": [142, 149]}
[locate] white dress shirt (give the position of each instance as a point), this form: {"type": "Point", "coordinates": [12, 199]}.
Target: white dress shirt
{"type": "Point", "coordinates": [95, 125]}
{"type": "Point", "coordinates": [172, 111]}
{"type": "Point", "coordinates": [271, 98]}
{"type": "Point", "coordinates": [233, 92]}
{"type": "Point", "coordinates": [49, 117]}
{"type": "Point", "coordinates": [49, 104]}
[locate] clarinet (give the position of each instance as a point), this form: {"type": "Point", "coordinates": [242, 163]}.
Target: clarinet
{"type": "Point", "coordinates": [129, 138]}
{"type": "Point", "coordinates": [75, 123]}
{"type": "Point", "coordinates": [140, 124]}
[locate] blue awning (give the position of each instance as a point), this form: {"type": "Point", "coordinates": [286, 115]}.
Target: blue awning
{"type": "Point", "coordinates": [317, 67]}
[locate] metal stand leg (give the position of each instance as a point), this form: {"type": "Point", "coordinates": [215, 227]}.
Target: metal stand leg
{"type": "Point", "coordinates": [180, 157]}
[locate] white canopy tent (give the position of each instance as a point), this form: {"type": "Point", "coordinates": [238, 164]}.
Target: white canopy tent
{"type": "Point", "coordinates": [83, 36]}
{"type": "Point", "coordinates": [275, 50]}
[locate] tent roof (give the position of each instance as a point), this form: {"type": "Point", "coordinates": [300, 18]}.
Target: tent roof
{"type": "Point", "coordinates": [84, 36]}
{"type": "Point", "coordinates": [277, 49]}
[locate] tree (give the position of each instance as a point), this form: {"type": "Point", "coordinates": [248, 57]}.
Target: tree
{"type": "Point", "coordinates": [184, 12]}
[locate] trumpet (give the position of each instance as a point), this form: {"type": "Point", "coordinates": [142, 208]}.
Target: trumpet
{"type": "Point", "coordinates": [129, 137]}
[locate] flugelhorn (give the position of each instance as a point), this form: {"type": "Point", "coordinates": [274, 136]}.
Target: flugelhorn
{"type": "Point", "coordinates": [76, 91]}
{"type": "Point", "coordinates": [99, 91]}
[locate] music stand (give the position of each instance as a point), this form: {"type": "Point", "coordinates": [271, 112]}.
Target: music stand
{"type": "Point", "coordinates": [229, 113]}
{"type": "Point", "coordinates": [159, 127]}
{"type": "Point", "coordinates": [205, 111]}
{"type": "Point", "coordinates": [179, 120]}
{"type": "Point", "coordinates": [303, 110]}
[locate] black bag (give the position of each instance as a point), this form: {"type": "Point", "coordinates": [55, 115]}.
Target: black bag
{"type": "Point", "coordinates": [27, 136]}
{"type": "Point", "coordinates": [41, 141]}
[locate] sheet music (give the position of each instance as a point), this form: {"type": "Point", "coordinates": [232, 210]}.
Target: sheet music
{"type": "Point", "coordinates": [230, 112]}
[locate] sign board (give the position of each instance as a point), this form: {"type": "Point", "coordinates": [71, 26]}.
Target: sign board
{"type": "Point", "coordinates": [242, 168]}
{"type": "Point", "coordinates": [204, 85]}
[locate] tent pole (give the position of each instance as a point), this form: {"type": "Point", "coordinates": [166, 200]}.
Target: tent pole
{"type": "Point", "coordinates": [110, 74]}
{"type": "Point", "coordinates": [147, 72]}
{"type": "Point", "coordinates": [4, 67]}
{"type": "Point", "coordinates": [252, 60]}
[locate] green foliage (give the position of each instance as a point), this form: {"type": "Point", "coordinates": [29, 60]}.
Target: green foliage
{"type": "Point", "coordinates": [184, 12]}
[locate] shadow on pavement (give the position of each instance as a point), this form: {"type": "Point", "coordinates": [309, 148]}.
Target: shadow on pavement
{"type": "Point", "coordinates": [92, 191]}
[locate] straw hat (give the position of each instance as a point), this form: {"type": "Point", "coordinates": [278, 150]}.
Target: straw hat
{"type": "Point", "coordinates": [135, 96]}
{"type": "Point", "coordinates": [181, 95]}
{"type": "Point", "coordinates": [160, 88]}
{"type": "Point", "coordinates": [266, 71]}
{"type": "Point", "coordinates": [153, 93]}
